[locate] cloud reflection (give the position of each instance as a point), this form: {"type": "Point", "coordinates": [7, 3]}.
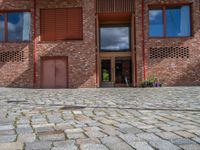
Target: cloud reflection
{"type": "Point", "coordinates": [115, 38]}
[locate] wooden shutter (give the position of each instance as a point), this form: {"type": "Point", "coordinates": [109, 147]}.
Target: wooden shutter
{"type": "Point", "coordinates": [74, 23]}
{"type": "Point", "coordinates": [48, 24]}
{"type": "Point", "coordinates": [61, 24]}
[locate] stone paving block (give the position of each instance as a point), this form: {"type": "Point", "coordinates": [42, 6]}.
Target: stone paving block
{"type": "Point", "coordinates": [73, 130]}
{"type": "Point", "coordinates": [24, 130]}
{"type": "Point", "coordinates": [190, 147]}
{"type": "Point", "coordinates": [185, 134]}
{"type": "Point", "coordinates": [157, 142]}
{"type": "Point", "coordinates": [6, 127]}
{"type": "Point", "coordinates": [141, 145]}
{"type": "Point", "coordinates": [38, 145]}
{"type": "Point", "coordinates": [168, 135]}
{"type": "Point", "coordinates": [163, 145]}
{"type": "Point", "coordinates": [75, 135]}
{"type": "Point", "coordinates": [93, 147]}
{"type": "Point", "coordinates": [29, 137]}
{"type": "Point", "coordinates": [114, 143]}
{"type": "Point", "coordinates": [87, 141]}
{"type": "Point", "coordinates": [130, 138]}
{"type": "Point", "coordinates": [11, 146]}
{"type": "Point", "coordinates": [182, 141]}
{"type": "Point", "coordinates": [197, 139]}
{"type": "Point", "coordinates": [7, 132]}
{"type": "Point", "coordinates": [7, 138]}
{"type": "Point", "coordinates": [51, 136]}
{"type": "Point", "coordinates": [63, 126]}
{"type": "Point", "coordinates": [132, 130]}
{"type": "Point", "coordinates": [65, 145]}
{"type": "Point", "coordinates": [44, 129]}
{"type": "Point", "coordinates": [95, 134]}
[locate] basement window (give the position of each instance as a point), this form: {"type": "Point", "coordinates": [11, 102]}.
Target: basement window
{"type": "Point", "coordinates": [15, 26]}
{"type": "Point", "coordinates": [170, 21]}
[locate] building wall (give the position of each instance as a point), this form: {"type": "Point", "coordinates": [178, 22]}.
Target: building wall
{"type": "Point", "coordinates": [171, 71]}
{"type": "Point", "coordinates": [17, 74]}
{"type": "Point", "coordinates": [81, 53]}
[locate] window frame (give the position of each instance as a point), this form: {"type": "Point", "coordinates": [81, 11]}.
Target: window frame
{"type": "Point", "coordinates": [5, 13]}
{"type": "Point", "coordinates": [163, 7]}
{"type": "Point", "coordinates": [115, 26]}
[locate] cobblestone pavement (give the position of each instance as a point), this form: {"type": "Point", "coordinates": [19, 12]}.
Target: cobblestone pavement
{"type": "Point", "coordinates": [100, 119]}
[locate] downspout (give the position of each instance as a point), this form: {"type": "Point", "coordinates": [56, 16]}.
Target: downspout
{"type": "Point", "coordinates": [34, 42]}
{"type": "Point", "coordinates": [135, 51]}
{"type": "Point", "coordinates": [143, 44]}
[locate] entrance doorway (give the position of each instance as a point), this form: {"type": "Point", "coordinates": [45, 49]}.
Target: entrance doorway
{"type": "Point", "coordinates": [54, 72]}
{"type": "Point", "coordinates": [116, 72]}
{"type": "Point", "coordinates": [123, 72]}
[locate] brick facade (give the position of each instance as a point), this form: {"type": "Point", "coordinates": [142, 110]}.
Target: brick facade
{"type": "Point", "coordinates": [82, 53]}
{"type": "Point", "coordinates": [173, 71]}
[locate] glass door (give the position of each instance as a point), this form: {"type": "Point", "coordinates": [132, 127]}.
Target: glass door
{"type": "Point", "coordinates": [106, 70]}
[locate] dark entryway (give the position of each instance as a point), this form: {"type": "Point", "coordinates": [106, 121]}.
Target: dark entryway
{"type": "Point", "coordinates": [54, 72]}
{"type": "Point", "coordinates": [106, 70]}
{"type": "Point", "coordinates": [123, 71]}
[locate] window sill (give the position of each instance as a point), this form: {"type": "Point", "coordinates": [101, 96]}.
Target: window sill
{"type": "Point", "coordinates": [167, 38]}
{"type": "Point", "coordinates": [57, 41]}
{"type": "Point", "coordinates": [17, 42]}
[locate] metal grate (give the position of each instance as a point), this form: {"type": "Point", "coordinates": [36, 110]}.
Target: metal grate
{"type": "Point", "coordinates": [12, 56]}
{"type": "Point", "coordinates": [169, 52]}
{"type": "Point", "coordinates": [104, 6]}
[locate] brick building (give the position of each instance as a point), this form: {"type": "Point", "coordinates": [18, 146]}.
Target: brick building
{"type": "Point", "coordinates": [94, 43]}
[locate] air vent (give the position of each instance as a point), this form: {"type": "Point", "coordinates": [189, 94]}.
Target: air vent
{"type": "Point", "coordinates": [12, 56]}
{"type": "Point", "coordinates": [169, 52]}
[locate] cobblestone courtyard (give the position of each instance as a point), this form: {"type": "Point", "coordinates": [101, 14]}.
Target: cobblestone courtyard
{"type": "Point", "coordinates": [100, 119]}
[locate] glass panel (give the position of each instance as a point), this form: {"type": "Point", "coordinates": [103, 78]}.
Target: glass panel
{"type": "Point", "coordinates": [156, 23]}
{"type": "Point", "coordinates": [19, 26]}
{"type": "Point", "coordinates": [178, 21]}
{"type": "Point", "coordinates": [123, 71]}
{"type": "Point", "coordinates": [114, 38]}
{"type": "Point", "coordinates": [106, 70]}
{"type": "Point", "coordinates": [2, 27]}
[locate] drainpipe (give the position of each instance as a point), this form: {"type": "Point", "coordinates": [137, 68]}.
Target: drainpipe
{"type": "Point", "coordinates": [34, 42]}
{"type": "Point", "coordinates": [143, 44]}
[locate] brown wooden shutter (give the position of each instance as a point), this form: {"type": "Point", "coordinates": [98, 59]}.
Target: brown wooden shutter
{"type": "Point", "coordinates": [61, 24]}
{"type": "Point", "coordinates": [48, 24]}
{"type": "Point", "coordinates": [74, 23]}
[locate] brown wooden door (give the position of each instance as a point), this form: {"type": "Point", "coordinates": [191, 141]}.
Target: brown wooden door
{"type": "Point", "coordinates": [54, 72]}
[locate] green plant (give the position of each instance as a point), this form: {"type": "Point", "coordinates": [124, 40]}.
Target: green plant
{"type": "Point", "coordinates": [151, 82]}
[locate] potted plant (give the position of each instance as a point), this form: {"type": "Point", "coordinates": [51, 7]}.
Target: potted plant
{"type": "Point", "coordinates": [151, 82]}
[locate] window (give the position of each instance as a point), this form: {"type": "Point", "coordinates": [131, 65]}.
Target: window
{"type": "Point", "coordinates": [170, 21]}
{"type": "Point", "coordinates": [61, 24]}
{"type": "Point", "coordinates": [2, 27]}
{"type": "Point", "coordinates": [115, 38]}
{"type": "Point", "coordinates": [15, 26]}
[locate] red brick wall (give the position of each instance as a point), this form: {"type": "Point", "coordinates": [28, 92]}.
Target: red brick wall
{"type": "Point", "coordinates": [17, 74]}
{"type": "Point", "coordinates": [173, 71]}
{"type": "Point", "coordinates": [81, 54]}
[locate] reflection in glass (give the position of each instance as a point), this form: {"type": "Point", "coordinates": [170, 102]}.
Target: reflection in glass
{"type": "Point", "coordinates": [19, 26]}
{"type": "Point", "coordinates": [2, 29]}
{"type": "Point", "coordinates": [156, 23]}
{"type": "Point", "coordinates": [114, 38]}
{"type": "Point", "coordinates": [178, 21]}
